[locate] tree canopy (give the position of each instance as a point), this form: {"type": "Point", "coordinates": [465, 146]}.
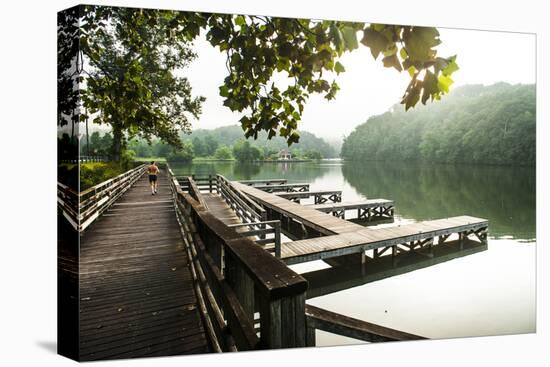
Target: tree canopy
{"type": "Point", "coordinates": [243, 151]}
{"type": "Point", "coordinates": [475, 124]}
{"type": "Point", "coordinates": [125, 61]}
{"type": "Point", "coordinates": [230, 135]}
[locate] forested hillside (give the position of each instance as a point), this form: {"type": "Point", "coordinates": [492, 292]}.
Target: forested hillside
{"type": "Point", "coordinates": [223, 143]}
{"type": "Point", "coordinates": [474, 124]}
{"type": "Point", "coordinates": [229, 135]}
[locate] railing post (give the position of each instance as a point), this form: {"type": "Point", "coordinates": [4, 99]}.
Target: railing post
{"type": "Point", "coordinates": [277, 227]}
{"type": "Point", "coordinates": [310, 336]}
{"type": "Point", "coordinates": [270, 324]}
{"type": "Point", "coordinates": [241, 283]}
{"type": "Point", "coordinates": [283, 322]}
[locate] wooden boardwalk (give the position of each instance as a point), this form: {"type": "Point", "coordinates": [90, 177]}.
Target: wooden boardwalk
{"type": "Point", "coordinates": [293, 187]}
{"type": "Point", "coordinates": [366, 209]}
{"type": "Point", "coordinates": [324, 223]}
{"type": "Point", "coordinates": [220, 209]}
{"type": "Point", "coordinates": [319, 197]}
{"type": "Point", "coordinates": [370, 239]}
{"type": "Point", "coordinates": [136, 290]}
{"type": "Point", "coordinates": [338, 237]}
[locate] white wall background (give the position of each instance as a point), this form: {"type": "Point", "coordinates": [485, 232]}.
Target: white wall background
{"type": "Point", "coordinates": [27, 188]}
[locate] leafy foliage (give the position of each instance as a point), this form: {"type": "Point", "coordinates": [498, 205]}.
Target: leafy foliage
{"type": "Point", "coordinates": [229, 135]}
{"type": "Point", "coordinates": [313, 154]}
{"type": "Point", "coordinates": [475, 124]}
{"type": "Point", "coordinates": [92, 174]}
{"type": "Point", "coordinates": [99, 145]}
{"type": "Point", "coordinates": [184, 154]}
{"type": "Point", "coordinates": [131, 82]}
{"type": "Point", "coordinates": [258, 48]}
{"type": "Point", "coordinates": [223, 152]}
{"type": "Point", "coordinates": [69, 65]}
{"type": "Point", "coordinates": [132, 55]}
{"type": "Point", "coordinates": [198, 147]}
{"type": "Point", "coordinates": [127, 159]}
{"type": "Point", "coordinates": [245, 152]}
{"type": "Point", "coordinates": [67, 147]}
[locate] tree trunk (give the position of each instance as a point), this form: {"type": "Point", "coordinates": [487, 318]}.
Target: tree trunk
{"type": "Point", "coordinates": [117, 144]}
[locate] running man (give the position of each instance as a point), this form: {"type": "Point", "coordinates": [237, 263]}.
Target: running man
{"type": "Point", "coordinates": [153, 171]}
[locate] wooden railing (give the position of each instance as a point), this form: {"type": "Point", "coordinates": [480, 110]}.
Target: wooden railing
{"type": "Point", "coordinates": [251, 214]}
{"type": "Point", "coordinates": [262, 230]}
{"type": "Point", "coordinates": [269, 181]}
{"type": "Point", "coordinates": [204, 183]}
{"type": "Point", "coordinates": [245, 208]}
{"type": "Point", "coordinates": [188, 185]}
{"type": "Point", "coordinates": [248, 298]}
{"type": "Point", "coordinates": [81, 209]}
{"type": "Point", "coordinates": [67, 203]}
{"type": "Point", "coordinates": [236, 280]}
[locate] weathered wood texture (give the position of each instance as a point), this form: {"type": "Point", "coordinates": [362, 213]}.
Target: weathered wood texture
{"type": "Point", "coordinates": [257, 231]}
{"type": "Point", "coordinates": [244, 279]}
{"type": "Point", "coordinates": [95, 200]}
{"type": "Point", "coordinates": [314, 222]}
{"type": "Point", "coordinates": [293, 187]}
{"type": "Point", "coordinates": [319, 197]}
{"type": "Point", "coordinates": [368, 210]}
{"type": "Point", "coordinates": [268, 181]}
{"type": "Point", "coordinates": [244, 207]}
{"type": "Point", "coordinates": [321, 319]}
{"type": "Point", "coordinates": [323, 236]}
{"type": "Point", "coordinates": [136, 289]}
{"type": "Point", "coordinates": [366, 239]}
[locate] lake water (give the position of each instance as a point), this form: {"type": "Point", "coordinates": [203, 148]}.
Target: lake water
{"type": "Point", "coordinates": [476, 293]}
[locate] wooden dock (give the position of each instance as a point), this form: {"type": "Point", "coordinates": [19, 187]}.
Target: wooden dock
{"type": "Point", "coordinates": [187, 271]}
{"type": "Point", "coordinates": [321, 236]}
{"type": "Point", "coordinates": [136, 289]}
{"type": "Point", "coordinates": [319, 197]}
{"type": "Point", "coordinates": [268, 181]}
{"type": "Point", "coordinates": [293, 187]}
{"type": "Point", "coordinates": [220, 209]}
{"type": "Point", "coordinates": [366, 209]}
{"type": "Point", "coordinates": [247, 269]}
{"type": "Point", "coordinates": [412, 235]}
{"type": "Point", "coordinates": [298, 221]}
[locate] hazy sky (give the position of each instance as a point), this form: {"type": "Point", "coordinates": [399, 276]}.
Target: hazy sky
{"type": "Point", "coordinates": [367, 88]}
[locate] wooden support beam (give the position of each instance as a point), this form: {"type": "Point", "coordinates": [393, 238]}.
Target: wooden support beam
{"type": "Point", "coordinates": [332, 322]}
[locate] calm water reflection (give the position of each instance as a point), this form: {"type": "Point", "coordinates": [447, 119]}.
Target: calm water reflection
{"type": "Point", "coordinates": [483, 293]}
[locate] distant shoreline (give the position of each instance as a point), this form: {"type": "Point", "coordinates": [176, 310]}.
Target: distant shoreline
{"type": "Point", "coordinates": [255, 161]}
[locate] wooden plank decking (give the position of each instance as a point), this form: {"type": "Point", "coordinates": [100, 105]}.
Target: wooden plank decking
{"type": "Point", "coordinates": [319, 221]}
{"type": "Point", "coordinates": [368, 239]}
{"type": "Point", "coordinates": [220, 209]}
{"type": "Point", "coordinates": [293, 187]}
{"type": "Point", "coordinates": [319, 196]}
{"type": "Point", "coordinates": [341, 237]}
{"type": "Point", "coordinates": [268, 181]}
{"type": "Point", "coordinates": [136, 290]}
{"type": "Point", "coordinates": [373, 209]}
{"type": "Point", "coordinates": [361, 204]}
